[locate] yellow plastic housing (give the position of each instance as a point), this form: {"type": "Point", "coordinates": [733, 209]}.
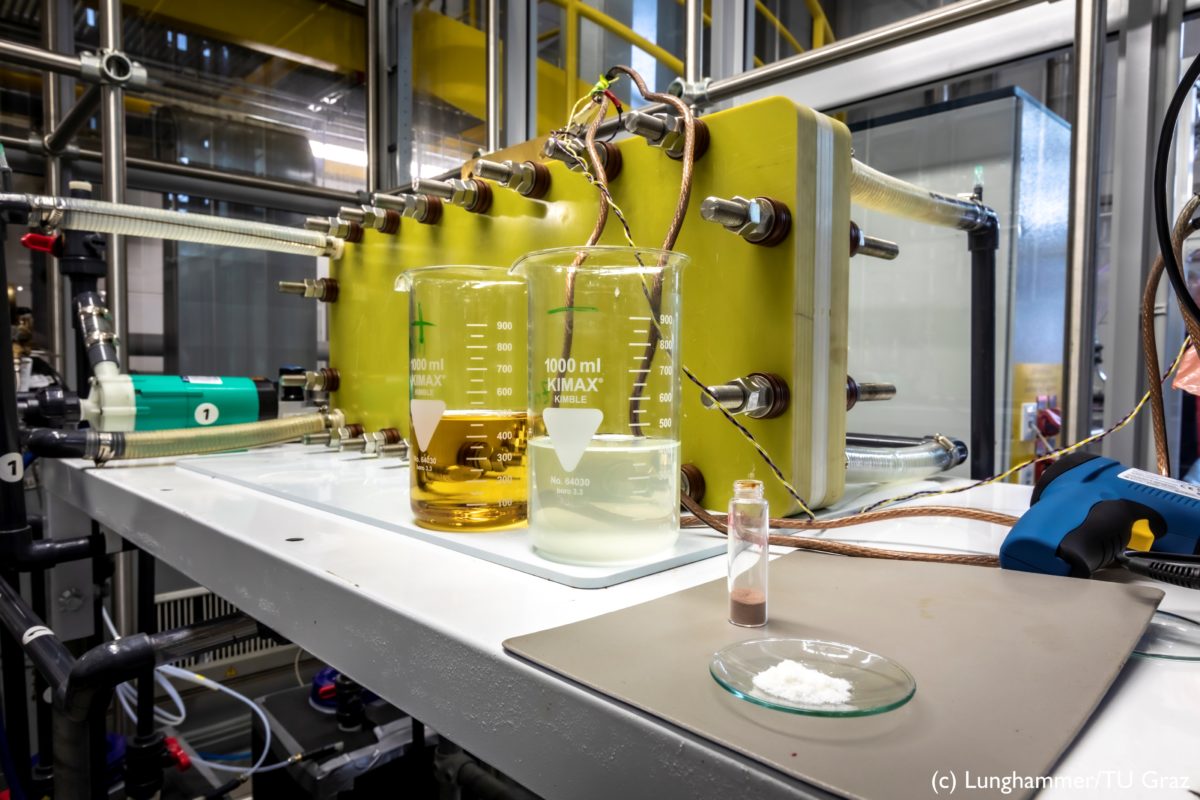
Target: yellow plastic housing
{"type": "Point", "coordinates": [746, 308]}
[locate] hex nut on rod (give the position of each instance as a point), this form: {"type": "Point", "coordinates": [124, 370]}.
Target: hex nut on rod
{"type": "Point", "coordinates": [323, 289]}
{"type": "Point", "coordinates": [759, 395]}
{"type": "Point", "coordinates": [759, 220]}
{"type": "Point", "coordinates": [610, 155]}
{"type": "Point", "coordinates": [425, 209]}
{"type": "Point", "coordinates": [325, 379]}
{"type": "Point", "coordinates": [527, 178]}
{"type": "Point", "coordinates": [666, 131]}
{"type": "Point", "coordinates": [475, 196]}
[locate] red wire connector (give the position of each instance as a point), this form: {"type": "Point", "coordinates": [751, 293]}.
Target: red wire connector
{"type": "Point", "coordinates": [43, 243]}
{"type": "Point", "coordinates": [1049, 422]}
{"type": "Point", "coordinates": [176, 755]}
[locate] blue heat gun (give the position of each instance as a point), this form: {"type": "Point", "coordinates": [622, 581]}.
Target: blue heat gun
{"type": "Point", "coordinates": [1089, 512]}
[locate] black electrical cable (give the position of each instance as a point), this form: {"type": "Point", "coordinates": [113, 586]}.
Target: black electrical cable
{"type": "Point", "coordinates": [1162, 223]}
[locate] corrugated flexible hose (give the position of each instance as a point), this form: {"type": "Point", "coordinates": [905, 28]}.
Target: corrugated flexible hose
{"type": "Point", "coordinates": [887, 464]}
{"type": "Point", "coordinates": [74, 213]}
{"type": "Point", "coordinates": [873, 189]}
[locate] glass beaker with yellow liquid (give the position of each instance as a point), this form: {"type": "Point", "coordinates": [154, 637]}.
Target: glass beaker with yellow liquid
{"type": "Point", "coordinates": [603, 402]}
{"type": "Point", "coordinates": [467, 389]}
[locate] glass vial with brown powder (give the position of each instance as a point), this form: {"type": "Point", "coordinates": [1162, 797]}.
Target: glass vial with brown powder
{"type": "Point", "coordinates": [748, 553]}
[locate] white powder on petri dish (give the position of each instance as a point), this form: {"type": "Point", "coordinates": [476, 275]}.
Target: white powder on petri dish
{"type": "Point", "coordinates": [797, 683]}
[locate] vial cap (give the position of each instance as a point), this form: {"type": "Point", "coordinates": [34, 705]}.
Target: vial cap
{"type": "Point", "coordinates": [748, 488]}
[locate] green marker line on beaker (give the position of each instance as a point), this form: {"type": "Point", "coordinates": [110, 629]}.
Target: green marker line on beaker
{"type": "Point", "coordinates": [561, 309]}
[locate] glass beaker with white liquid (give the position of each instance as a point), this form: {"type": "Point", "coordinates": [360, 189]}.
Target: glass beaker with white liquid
{"type": "Point", "coordinates": [603, 402]}
{"type": "Point", "coordinates": [467, 389]}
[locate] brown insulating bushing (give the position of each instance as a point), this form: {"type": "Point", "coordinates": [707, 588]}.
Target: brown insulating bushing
{"type": "Point", "coordinates": [333, 378]}
{"type": "Point", "coordinates": [780, 394]}
{"type": "Point", "coordinates": [354, 233]}
{"type": "Point", "coordinates": [433, 210]}
{"type": "Point", "coordinates": [855, 238]}
{"type": "Point", "coordinates": [541, 180]}
{"type": "Point", "coordinates": [702, 139]}
{"type": "Point", "coordinates": [391, 222]}
{"type": "Point", "coordinates": [355, 430]}
{"type": "Point", "coordinates": [612, 160]}
{"type": "Point", "coordinates": [851, 393]}
{"type": "Point", "coordinates": [330, 295]}
{"type": "Point", "coordinates": [783, 223]}
{"type": "Point", "coordinates": [391, 436]}
{"type": "Point", "coordinates": [483, 198]}
{"type": "Point", "coordinates": [695, 481]}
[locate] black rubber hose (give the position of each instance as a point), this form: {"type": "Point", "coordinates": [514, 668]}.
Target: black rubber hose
{"type": "Point", "coordinates": [1162, 223]}
{"type": "Point", "coordinates": [51, 443]}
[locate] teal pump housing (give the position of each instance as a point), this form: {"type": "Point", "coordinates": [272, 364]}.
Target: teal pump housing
{"type": "Point", "coordinates": [182, 401]}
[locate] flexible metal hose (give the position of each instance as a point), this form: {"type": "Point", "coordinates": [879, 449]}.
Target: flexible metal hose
{"type": "Point", "coordinates": [162, 444]}
{"type": "Point", "coordinates": [873, 189]}
{"type": "Point", "coordinates": [886, 464]}
{"type": "Point", "coordinates": [73, 213]}
{"type": "Point", "coordinates": [1184, 228]}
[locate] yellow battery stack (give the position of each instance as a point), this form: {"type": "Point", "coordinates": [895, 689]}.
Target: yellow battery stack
{"type": "Point", "coordinates": [746, 308]}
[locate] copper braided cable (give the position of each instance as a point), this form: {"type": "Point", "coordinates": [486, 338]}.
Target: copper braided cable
{"type": "Point", "coordinates": [1184, 227]}
{"type": "Point", "coordinates": [716, 522]}
{"type": "Point", "coordinates": [598, 229]}
{"type": "Point", "coordinates": [681, 207]}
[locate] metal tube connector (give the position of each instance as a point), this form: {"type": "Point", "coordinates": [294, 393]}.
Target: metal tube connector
{"type": "Point", "coordinates": [527, 178]}
{"type": "Point", "coordinates": [759, 395]}
{"type": "Point", "coordinates": [323, 289]}
{"type": "Point", "coordinates": [759, 220]}
{"type": "Point", "coordinates": [475, 196]}
{"type": "Point", "coordinates": [319, 224]}
{"type": "Point", "coordinates": [863, 245]}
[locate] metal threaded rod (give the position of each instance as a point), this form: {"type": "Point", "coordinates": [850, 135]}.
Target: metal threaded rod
{"type": "Point", "coordinates": [493, 170]}
{"type": "Point", "coordinates": [731, 397]}
{"type": "Point", "coordinates": [876, 391]}
{"type": "Point", "coordinates": [292, 287]}
{"type": "Point", "coordinates": [393, 202]}
{"type": "Point", "coordinates": [436, 188]}
{"type": "Point", "coordinates": [729, 213]}
{"type": "Point", "coordinates": [648, 126]}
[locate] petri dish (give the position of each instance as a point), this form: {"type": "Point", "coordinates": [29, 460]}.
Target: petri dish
{"type": "Point", "coordinates": [877, 683]}
{"type": "Point", "coordinates": [1170, 636]}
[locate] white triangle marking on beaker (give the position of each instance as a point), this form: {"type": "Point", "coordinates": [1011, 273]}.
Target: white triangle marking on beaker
{"type": "Point", "coordinates": [571, 431]}
{"type": "Point", "coordinates": [426, 414]}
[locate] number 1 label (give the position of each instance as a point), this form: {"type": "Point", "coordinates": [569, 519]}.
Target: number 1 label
{"type": "Point", "coordinates": [12, 468]}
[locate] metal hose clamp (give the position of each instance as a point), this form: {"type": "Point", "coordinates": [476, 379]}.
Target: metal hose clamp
{"type": "Point", "coordinates": [106, 448]}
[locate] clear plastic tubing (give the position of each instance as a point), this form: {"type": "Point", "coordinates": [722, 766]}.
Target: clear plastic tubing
{"type": "Point", "coordinates": [749, 525]}
{"type": "Point", "coordinates": [72, 213]}
{"type": "Point", "coordinates": [873, 189]}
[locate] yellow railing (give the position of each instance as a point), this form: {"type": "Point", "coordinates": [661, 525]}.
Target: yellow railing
{"type": "Point", "coordinates": [822, 34]}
